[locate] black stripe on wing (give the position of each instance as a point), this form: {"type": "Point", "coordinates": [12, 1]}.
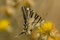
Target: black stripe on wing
{"type": "Point", "coordinates": [31, 13]}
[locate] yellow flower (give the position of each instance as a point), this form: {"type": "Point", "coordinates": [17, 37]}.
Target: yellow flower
{"type": "Point", "coordinates": [46, 27]}
{"type": "Point", "coordinates": [4, 24]}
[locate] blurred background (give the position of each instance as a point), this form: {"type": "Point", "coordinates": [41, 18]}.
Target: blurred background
{"type": "Point", "coordinates": [11, 10]}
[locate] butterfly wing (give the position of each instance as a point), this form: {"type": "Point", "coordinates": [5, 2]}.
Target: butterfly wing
{"type": "Point", "coordinates": [31, 19]}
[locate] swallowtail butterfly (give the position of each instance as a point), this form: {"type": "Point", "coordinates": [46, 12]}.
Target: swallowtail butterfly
{"type": "Point", "coordinates": [31, 20]}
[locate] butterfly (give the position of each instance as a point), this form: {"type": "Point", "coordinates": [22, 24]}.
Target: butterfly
{"type": "Point", "coordinates": [31, 20]}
